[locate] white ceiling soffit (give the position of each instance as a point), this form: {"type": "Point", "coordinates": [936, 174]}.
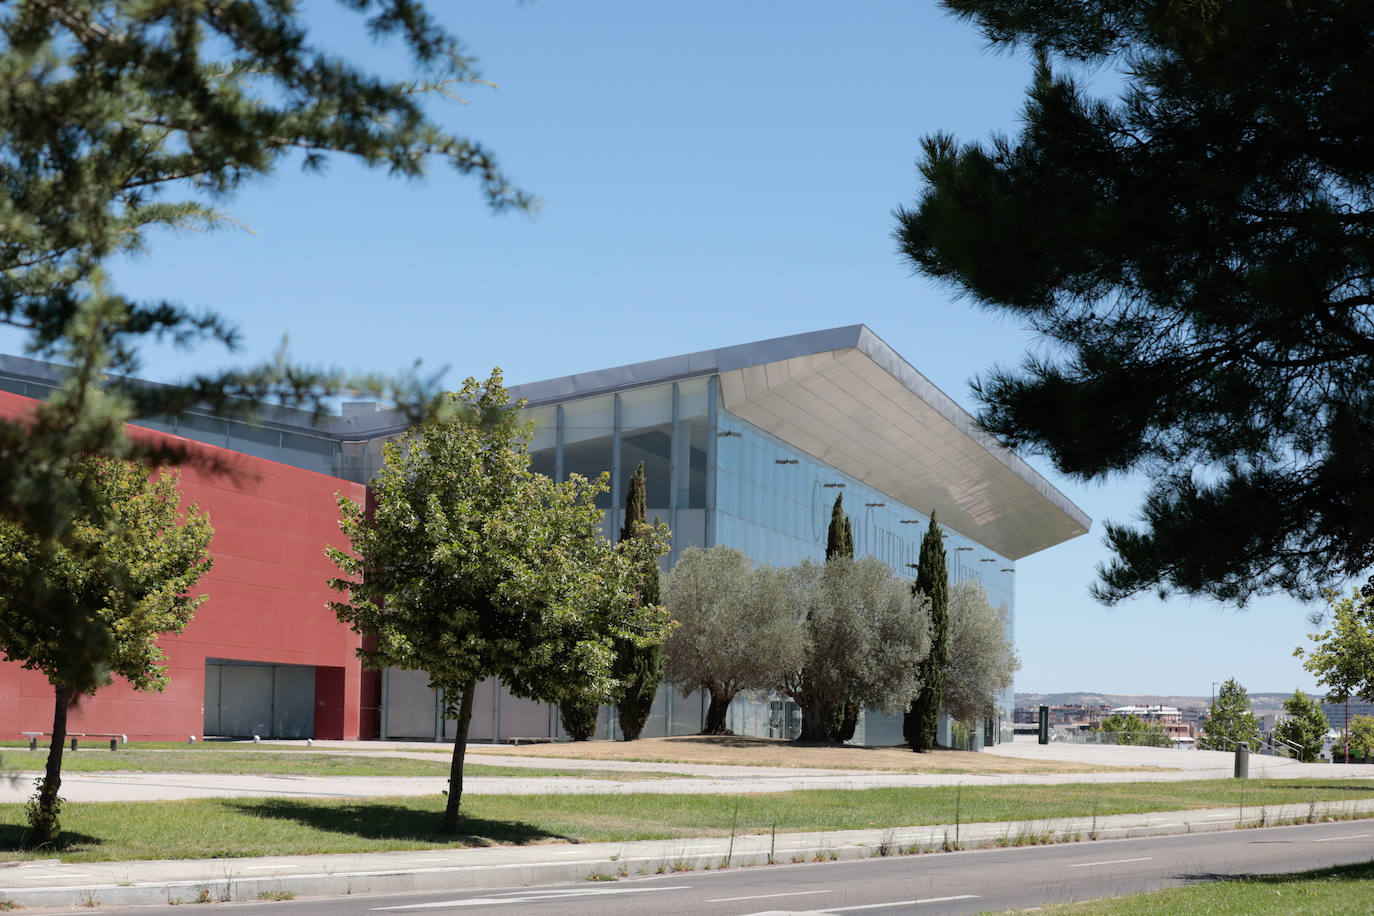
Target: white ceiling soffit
{"type": "Point", "coordinates": [867, 412]}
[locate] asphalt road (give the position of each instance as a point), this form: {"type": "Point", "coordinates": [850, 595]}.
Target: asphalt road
{"type": "Point", "coordinates": [961, 882]}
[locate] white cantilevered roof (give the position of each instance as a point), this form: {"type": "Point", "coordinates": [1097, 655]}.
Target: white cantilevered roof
{"type": "Point", "coordinates": [846, 397]}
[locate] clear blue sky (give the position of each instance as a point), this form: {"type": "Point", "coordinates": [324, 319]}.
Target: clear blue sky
{"type": "Point", "coordinates": [711, 173]}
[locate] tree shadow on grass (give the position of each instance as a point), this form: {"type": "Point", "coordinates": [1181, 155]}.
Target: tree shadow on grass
{"type": "Point", "coordinates": [1340, 785]}
{"type": "Point", "coordinates": [1360, 871]}
{"type": "Point", "coordinates": [382, 821]}
{"type": "Point", "coordinates": [14, 836]}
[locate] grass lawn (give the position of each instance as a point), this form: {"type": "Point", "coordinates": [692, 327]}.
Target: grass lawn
{"type": "Point", "coordinates": [278, 826]}
{"type": "Point", "coordinates": [141, 758]}
{"type": "Point", "coordinates": [1345, 889]}
{"type": "Point", "coordinates": [774, 752]}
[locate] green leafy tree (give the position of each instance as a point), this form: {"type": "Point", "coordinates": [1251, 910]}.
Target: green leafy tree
{"type": "Point", "coordinates": [922, 722]}
{"type": "Point", "coordinates": [1342, 655]}
{"type": "Point", "coordinates": [472, 566]}
{"type": "Point", "coordinates": [638, 667]}
{"type": "Point", "coordinates": [864, 634]}
{"type": "Point", "coordinates": [1305, 727]}
{"type": "Point", "coordinates": [734, 628]}
{"type": "Point", "coordinates": [1362, 736]}
{"type": "Point", "coordinates": [126, 118]}
{"type": "Point", "coordinates": [1229, 721]}
{"type": "Point", "coordinates": [131, 566]}
{"type": "Point", "coordinates": [1131, 730]}
{"type": "Point", "coordinates": [1195, 251]}
{"type": "Point", "coordinates": [982, 659]}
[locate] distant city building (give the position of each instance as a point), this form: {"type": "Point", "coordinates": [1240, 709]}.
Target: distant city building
{"type": "Point", "coordinates": [1077, 716]}
{"type": "Point", "coordinates": [1335, 712]}
{"type": "Point", "coordinates": [1168, 716]}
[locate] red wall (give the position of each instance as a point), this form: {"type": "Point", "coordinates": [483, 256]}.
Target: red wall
{"type": "Point", "coordinates": [266, 603]}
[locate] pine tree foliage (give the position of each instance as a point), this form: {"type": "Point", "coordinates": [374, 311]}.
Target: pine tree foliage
{"type": "Point", "coordinates": [126, 574]}
{"type": "Point", "coordinates": [473, 566]}
{"type": "Point", "coordinates": [1229, 721]}
{"type": "Point", "coordinates": [1305, 727]}
{"type": "Point", "coordinates": [122, 118]}
{"type": "Point", "coordinates": [639, 667]}
{"type": "Point", "coordinates": [1196, 254]}
{"type": "Point", "coordinates": [922, 722]}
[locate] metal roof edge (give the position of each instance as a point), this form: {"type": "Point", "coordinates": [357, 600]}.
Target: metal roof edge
{"type": "Point", "coordinates": [878, 350]}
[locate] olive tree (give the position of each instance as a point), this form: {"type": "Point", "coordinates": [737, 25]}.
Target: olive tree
{"type": "Point", "coordinates": [735, 629]}
{"type": "Point", "coordinates": [982, 658]}
{"type": "Point", "coordinates": [864, 633]}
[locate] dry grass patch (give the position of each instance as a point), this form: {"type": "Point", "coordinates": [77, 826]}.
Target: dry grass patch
{"type": "Point", "coordinates": [774, 752]}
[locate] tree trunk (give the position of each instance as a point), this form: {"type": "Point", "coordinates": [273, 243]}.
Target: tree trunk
{"type": "Point", "coordinates": [460, 749]}
{"type": "Point", "coordinates": [844, 721]}
{"type": "Point", "coordinates": [815, 723]}
{"type": "Point", "coordinates": [715, 715]}
{"type": "Point", "coordinates": [44, 819]}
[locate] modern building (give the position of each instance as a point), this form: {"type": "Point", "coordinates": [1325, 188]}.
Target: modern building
{"type": "Point", "coordinates": [1336, 712]}
{"type": "Point", "coordinates": [745, 446]}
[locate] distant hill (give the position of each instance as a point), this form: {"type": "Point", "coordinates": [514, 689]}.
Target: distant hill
{"type": "Point", "coordinates": [1260, 703]}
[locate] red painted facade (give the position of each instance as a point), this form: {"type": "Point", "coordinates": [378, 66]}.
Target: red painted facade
{"type": "Point", "coordinates": [267, 603]}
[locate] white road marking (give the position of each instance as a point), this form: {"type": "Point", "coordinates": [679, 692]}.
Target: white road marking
{"type": "Point", "coordinates": [530, 898]}
{"type": "Point", "coordinates": [1332, 839]}
{"type": "Point", "coordinates": [890, 903]}
{"type": "Point", "coordinates": [1111, 862]}
{"type": "Point", "coordinates": [762, 896]}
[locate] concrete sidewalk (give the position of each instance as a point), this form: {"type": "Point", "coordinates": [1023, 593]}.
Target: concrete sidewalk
{"type": "Point", "coordinates": [54, 884]}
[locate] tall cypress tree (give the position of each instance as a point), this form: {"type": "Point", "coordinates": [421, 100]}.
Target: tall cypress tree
{"type": "Point", "coordinates": [842, 719]}
{"type": "Point", "coordinates": [922, 721]}
{"type": "Point", "coordinates": [638, 668]}
{"type": "Point", "coordinates": [839, 542]}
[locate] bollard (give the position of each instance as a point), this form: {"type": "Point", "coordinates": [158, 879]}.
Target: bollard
{"type": "Point", "coordinates": [1044, 735]}
{"type": "Point", "coordinates": [1242, 761]}
{"type": "Point", "coordinates": [193, 740]}
{"type": "Point", "coordinates": [33, 743]}
{"type": "Point", "coordinates": [114, 744]}
{"type": "Point", "coordinates": [73, 744]}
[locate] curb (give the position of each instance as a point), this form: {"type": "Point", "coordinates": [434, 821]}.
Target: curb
{"type": "Point", "coordinates": [646, 858]}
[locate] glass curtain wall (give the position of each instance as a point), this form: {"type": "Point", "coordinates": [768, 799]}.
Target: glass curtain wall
{"type": "Point", "coordinates": [666, 427]}
{"type": "Point", "coordinates": [774, 502]}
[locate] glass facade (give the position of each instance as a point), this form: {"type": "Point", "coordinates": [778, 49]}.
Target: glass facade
{"type": "Point", "coordinates": [666, 427]}
{"type": "Point", "coordinates": [718, 479]}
